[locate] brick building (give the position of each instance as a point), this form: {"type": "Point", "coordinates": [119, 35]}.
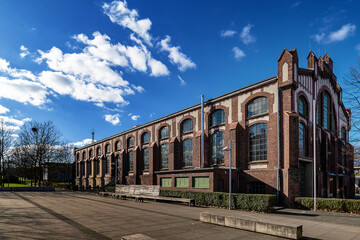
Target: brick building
{"type": "Point", "coordinates": [270, 125]}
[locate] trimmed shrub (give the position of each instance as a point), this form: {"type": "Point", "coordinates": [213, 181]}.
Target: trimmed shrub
{"type": "Point", "coordinates": [251, 202]}
{"type": "Point", "coordinates": [330, 204]}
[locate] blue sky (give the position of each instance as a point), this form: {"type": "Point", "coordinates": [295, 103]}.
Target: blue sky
{"type": "Point", "coordinates": [110, 65]}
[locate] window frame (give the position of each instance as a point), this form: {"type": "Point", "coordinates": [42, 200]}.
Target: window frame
{"type": "Point", "coordinates": [257, 150]}
{"type": "Point", "coordinates": [148, 138]}
{"type": "Point", "coordinates": [117, 146]}
{"type": "Point", "coordinates": [98, 151]}
{"type": "Point", "coordinates": [222, 118]}
{"type": "Point", "coordinates": [185, 162]}
{"type": "Point", "coordinates": [107, 148]}
{"type": "Point", "coordinates": [187, 122]}
{"type": "Point", "coordinates": [130, 140]}
{"type": "Point", "coordinates": [162, 157]}
{"type": "Point", "coordinates": [161, 137]}
{"type": "Point", "coordinates": [148, 159]}
{"type": "Point", "coordinates": [302, 101]}
{"type": "Point", "coordinates": [253, 101]}
{"type": "Point", "coordinates": [304, 152]}
{"type": "Point", "coordinates": [218, 148]}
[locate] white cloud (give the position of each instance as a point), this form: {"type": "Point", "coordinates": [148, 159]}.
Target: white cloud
{"type": "Point", "coordinates": [119, 13]}
{"type": "Point", "coordinates": [245, 35]}
{"type": "Point", "coordinates": [176, 57]}
{"type": "Point", "coordinates": [3, 109]}
{"type": "Point", "coordinates": [227, 33]}
{"type": "Point", "coordinates": [82, 143]}
{"type": "Point", "coordinates": [23, 91]}
{"type": "Point", "coordinates": [140, 89]}
{"type": "Point", "coordinates": [182, 82]}
{"type": "Point", "coordinates": [151, 115]}
{"type": "Point", "coordinates": [357, 47]}
{"type": "Point", "coordinates": [14, 72]}
{"type": "Point", "coordinates": [12, 123]}
{"type": "Point", "coordinates": [344, 32]}
{"type": "Point", "coordinates": [157, 68]}
{"type": "Point", "coordinates": [135, 117]}
{"type": "Point", "coordinates": [24, 51]}
{"type": "Point", "coordinates": [113, 119]}
{"type": "Point", "coordinates": [339, 35]}
{"type": "Point", "coordinates": [238, 53]}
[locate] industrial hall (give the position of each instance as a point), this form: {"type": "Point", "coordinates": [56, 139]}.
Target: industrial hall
{"type": "Point", "coordinates": [265, 130]}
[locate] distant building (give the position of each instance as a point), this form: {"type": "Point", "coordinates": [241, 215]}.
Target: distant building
{"type": "Point", "coordinates": [270, 124]}
{"type": "Point", "coordinates": [58, 172]}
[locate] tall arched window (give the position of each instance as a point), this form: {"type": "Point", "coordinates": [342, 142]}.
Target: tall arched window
{"type": "Point", "coordinates": [187, 147]}
{"type": "Point", "coordinates": [302, 140]}
{"type": "Point", "coordinates": [187, 126]}
{"type": "Point", "coordinates": [117, 146]}
{"type": "Point", "coordinates": [303, 107]}
{"type": "Point", "coordinates": [327, 111]}
{"type": "Point", "coordinates": [146, 158]}
{"type": "Point", "coordinates": [130, 142]}
{"type": "Point", "coordinates": [164, 154]}
{"type": "Point", "coordinates": [131, 160]}
{"type": "Point", "coordinates": [145, 138]}
{"type": "Point", "coordinates": [98, 166]}
{"type": "Point", "coordinates": [98, 151]}
{"type": "Point", "coordinates": [83, 156]}
{"type": "Point", "coordinates": [318, 112]}
{"type": "Point", "coordinates": [258, 106]}
{"type": "Point", "coordinates": [258, 142]}
{"type": "Point", "coordinates": [217, 118]}
{"type": "Point", "coordinates": [90, 168]}
{"type": "Point", "coordinates": [217, 145]}
{"type": "Point", "coordinates": [343, 133]}
{"type": "Point", "coordinates": [107, 165]}
{"type": "Point", "coordinates": [107, 148]}
{"type": "Point", "coordinates": [90, 153]}
{"type": "Point", "coordinates": [164, 132]}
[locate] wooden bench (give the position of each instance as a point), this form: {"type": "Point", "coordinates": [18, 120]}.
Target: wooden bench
{"type": "Point", "coordinates": [150, 192]}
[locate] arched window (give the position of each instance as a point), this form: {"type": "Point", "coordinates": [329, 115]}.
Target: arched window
{"type": "Point", "coordinates": [164, 132]}
{"type": "Point", "coordinates": [258, 106]}
{"type": "Point", "coordinates": [98, 151]}
{"type": "Point", "coordinates": [107, 165]}
{"type": "Point", "coordinates": [318, 112]}
{"type": "Point", "coordinates": [343, 133]}
{"type": "Point", "coordinates": [90, 168]}
{"type": "Point", "coordinates": [145, 138]}
{"type": "Point", "coordinates": [98, 166]}
{"type": "Point", "coordinates": [187, 126]}
{"type": "Point", "coordinates": [327, 111]}
{"type": "Point", "coordinates": [117, 146]}
{"type": "Point", "coordinates": [187, 146]}
{"type": "Point", "coordinates": [83, 155]}
{"type": "Point", "coordinates": [258, 142]}
{"type": "Point", "coordinates": [217, 118]}
{"type": "Point", "coordinates": [164, 163]}
{"type": "Point", "coordinates": [302, 140]}
{"type": "Point", "coordinates": [130, 142]}
{"type": "Point", "coordinates": [107, 148]}
{"type": "Point", "coordinates": [77, 157]}
{"type": "Point", "coordinates": [217, 145]}
{"type": "Point", "coordinates": [90, 153]}
{"type": "Point", "coordinates": [146, 159]}
{"type": "Point", "coordinates": [131, 160]}
{"type": "Point", "coordinates": [303, 107]}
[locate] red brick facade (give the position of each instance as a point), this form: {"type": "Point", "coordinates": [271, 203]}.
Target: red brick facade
{"type": "Point", "coordinates": [294, 177]}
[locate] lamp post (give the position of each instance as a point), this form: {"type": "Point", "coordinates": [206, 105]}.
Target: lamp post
{"type": "Point", "coordinates": [35, 131]}
{"type": "Point", "coordinates": [230, 168]}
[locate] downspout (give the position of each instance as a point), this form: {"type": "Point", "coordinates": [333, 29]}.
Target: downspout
{"type": "Point", "coordinates": [202, 131]}
{"type": "Point", "coordinates": [278, 150]}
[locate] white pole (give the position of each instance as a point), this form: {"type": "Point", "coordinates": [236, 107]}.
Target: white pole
{"type": "Point", "coordinates": [202, 131]}
{"type": "Point", "coordinates": [314, 143]}
{"type": "Point", "coordinates": [230, 185]}
{"type": "Point", "coordinates": [116, 171]}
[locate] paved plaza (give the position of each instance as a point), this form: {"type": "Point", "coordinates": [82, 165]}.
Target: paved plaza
{"type": "Point", "coordinates": [74, 215]}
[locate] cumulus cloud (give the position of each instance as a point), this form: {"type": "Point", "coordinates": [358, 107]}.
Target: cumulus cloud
{"type": "Point", "coordinates": [24, 51]}
{"type": "Point", "coordinates": [238, 53]}
{"type": "Point", "coordinates": [3, 109]}
{"type": "Point", "coordinates": [82, 143]}
{"type": "Point", "coordinates": [245, 35]}
{"type": "Point", "coordinates": [176, 57]}
{"type": "Point", "coordinates": [113, 119]}
{"type": "Point", "coordinates": [135, 117]}
{"type": "Point", "coordinates": [339, 35]}
{"type": "Point", "coordinates": [227, 33]}
{"type": "Point", "coordinates": [119, 13]}
{"type": "Point", "coordinates": [14, 72]}
{"type": "Point", "coordinates": [296, 4]}
{"type": "Point", "coordinates": [182, 82]}
{"type": "Point", "coordinates": [13, 123]}
{"type": "Point", "coordinates": [23, 91]}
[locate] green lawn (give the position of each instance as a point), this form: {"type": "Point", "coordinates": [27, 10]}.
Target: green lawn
{"type": "Point", "coordinates": [16, 185]}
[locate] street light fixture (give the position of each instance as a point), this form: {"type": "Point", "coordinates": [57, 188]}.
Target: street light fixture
{"type": "Point", "coordinates": [230, 170]}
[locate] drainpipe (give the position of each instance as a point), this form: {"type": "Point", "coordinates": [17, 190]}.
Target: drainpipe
{"type": "Point", "coordinates": [278, 155]}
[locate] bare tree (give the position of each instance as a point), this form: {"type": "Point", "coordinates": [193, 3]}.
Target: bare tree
{"type": "Point", "coordinates": [37, 143]}
{"type": "Point", "coordinates": [6, 141]}
{"type": "Point", "coordinates": [352, 98]}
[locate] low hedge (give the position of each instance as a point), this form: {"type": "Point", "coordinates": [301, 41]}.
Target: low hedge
{"type": "Point", "coordinates": [251, 202]}
{"type": "Point", "coordinates": [330, 204]}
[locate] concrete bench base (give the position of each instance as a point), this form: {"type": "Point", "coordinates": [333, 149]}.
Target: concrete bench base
{"type": "Point", "coordinates": [140, 198]}
{"type": "Point", "coordinates": [271, 228]}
